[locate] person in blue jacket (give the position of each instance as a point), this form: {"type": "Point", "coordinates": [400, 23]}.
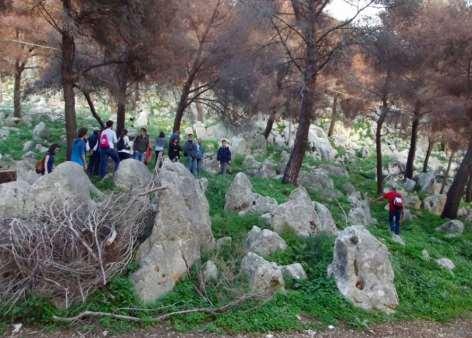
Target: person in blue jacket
{"type": "Point", "coordinates": [191, 153]}
{"type": "Point", "coordinates": [224, 156]}
{"type": "Point", "coordinates": [79, 148]}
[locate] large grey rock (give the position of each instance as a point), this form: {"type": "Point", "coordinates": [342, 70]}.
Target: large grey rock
{"type": "Point", "coordinates": [15, 199]}
{"type": "Point", "coordinates": [435, 203]}
{"type": "Point", "coordinates": [132, 174]}
{"type": "Point", "coordinates": [453, 227]}
{"type": "Point", "coordinates": [4, 133]}
{"type": "Point", "coordinates": [264, 277]}
{"type": "Point", "coordinates": [252, 166]}
{"type": "Point", "coordinates": [28, 146]}
{"type": "Point", "coordinates": [240, 198]}
{"type": "Point", "coordinates": [40, 132]}
{"type": "Point", "coordinates": [319, 143]}
{"type": "Point", "coordinates": [182, 230]}
{"type": "Point", "coordinates": [411, 201]}
{"type": "Point", "coordinates": [210, 272]}
{"type": "Point", "coordinates": [26, 170]}
{"type": "Point", "coordinates": [264, 242]}
{"type": "Point", "coordinates": [360, 212]}
{"type": "Point", "coordinates": [409, 184]}
{"type": "Point", "coordinates": [425, 181]}
{"type": "Point", "coordinates": [297, 214]}
{"type": "Point", "coordinates": [67, 184]}
{"type": "Point", "coordinates": [317, 180]}
{"type": "Point", "coordinates": [326, 220]}
{"type": "Point", "coordinates": [446, 263]}
{"type": "Point", "coordinates": [334, 170]}
{"type": "Point", "coordinates": [362, 270]}
{"type": "Point", "coordinates": [294, 271]}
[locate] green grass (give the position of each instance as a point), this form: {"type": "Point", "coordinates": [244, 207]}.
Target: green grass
{"type": "Point", "coordinates": [425, 291]}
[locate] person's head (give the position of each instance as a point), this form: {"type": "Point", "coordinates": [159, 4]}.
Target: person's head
{"type": "Point", "coordinates": [124, 132]}
{"type": "Point", "coordinates": [162, 135]}
{"type": "Point", "coordinates": [190, 137]}
{"type": "Point", "coordinates": [109, 124]}
{"type": "Point", "coordinates": [82, 133]}
{"type": "Point", "coordinates": [175, 141]}
{"type": "Point", "coordinates": [224, 143]}
{"type": "Point", "coordinates": [53, 149]}
{"type": "Point", "coordinates": [143, 131]}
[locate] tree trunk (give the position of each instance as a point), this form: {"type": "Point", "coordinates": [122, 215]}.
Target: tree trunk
{"type": "Point", "coordinates": [378, 145]}
{"type": "Point", "coordinates": [17, 90]}
{"type": "Point", "coordinates": [92, 109]}
{"type": "Point", "coordinates": [306, 109]}
{"type": "Point", "coordinates": [468, 193]}
{"type": "Point", "coordinates": [446, 174]}
{"type": "Point", "coordinates": [68, 76]}
{"type": "Point", "coordinates": [121, 98]}
{"type": "Point", "coordinates": [334, 114]}
{"type": "Point", "coordinates": [184, 98]}
{"type": "Point", "coordinates": [200, 112]}
{"type": "Point", "coordinates": [428, 154]}
{"type": "Point", "coordinates": [456, 191]}
{"type": "Point", "coordinates": [270, 124]}
{"type": "Point", "coordinates": [410, 163]}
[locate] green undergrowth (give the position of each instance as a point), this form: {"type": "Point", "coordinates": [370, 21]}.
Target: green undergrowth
{"type": "Point", "coordinates": [425, 291]}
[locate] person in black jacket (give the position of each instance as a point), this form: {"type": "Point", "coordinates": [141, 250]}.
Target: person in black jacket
{"type": "Point", "coordinates": [191, 153]}
{"type": "Point", "coordinates": [224, 156]}
{"type": "Point", "coordinates": [174, 150]}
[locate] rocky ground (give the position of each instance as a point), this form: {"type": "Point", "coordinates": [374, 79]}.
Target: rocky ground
{"type": "Point", "coordinates": [460, 328]}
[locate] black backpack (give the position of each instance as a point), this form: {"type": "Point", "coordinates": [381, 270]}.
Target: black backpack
{"type": "Point", "coordinates": [121, 144]}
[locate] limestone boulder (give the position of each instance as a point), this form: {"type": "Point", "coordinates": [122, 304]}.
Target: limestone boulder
{"type": "Point", "coordinates": [40, 132]}
{"type": "Point", "coordinates": [240, 198]}
{"type": "Point", "coordinates": [264, 242]}
{"type": "Point", "coordinates": [326, 220]}
{"type": "Point", "coordinates": [426, 181]}
{"type": "Point", "coordinates": [294, 272]}
{"type": "Point", "coordinates": [409, 184]}
{"type": "Point", "coordinates": [319, 181]}
{"type": "Point", "coordinates": [360, 213]}
{"type": "Point", "coordinates": [452, 228]}
{"type": "Point", "coordinates": [446, 263]}
{"type": "Point", "coordinates": [132, 174]}
{"type": "Point", "coordinates": [210, 272]}
{"type": "Point", "coordinates": [15, 199]}
{"type": "Point", "coordinates": [264, 277]}
{"type": "Point", "coordinates": [26, 170]}
{"type": "Point", "coordinates": [435, 203]}
{"type": "Point", "coordinates": [319, 143]}
{"type": "Point", "coordinates": [181, 232]}
{"type": "Point", "coordinates": [362, 270]}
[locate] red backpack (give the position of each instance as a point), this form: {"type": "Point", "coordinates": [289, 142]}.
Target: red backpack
{"type": "Point", "coordinates": [104, 144]}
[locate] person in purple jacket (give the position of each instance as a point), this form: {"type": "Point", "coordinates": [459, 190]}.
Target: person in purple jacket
{"type": "Point", "coordinates": [224, 156]}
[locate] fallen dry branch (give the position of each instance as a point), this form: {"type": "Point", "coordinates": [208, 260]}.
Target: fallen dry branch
{"type": "Point", "coordinates": [207, 310]}
{"type": "Point", "coordinates": [65, 252]}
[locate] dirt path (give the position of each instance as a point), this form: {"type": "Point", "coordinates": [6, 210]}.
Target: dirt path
{"type": "Point", "coordinates": [457, 329]}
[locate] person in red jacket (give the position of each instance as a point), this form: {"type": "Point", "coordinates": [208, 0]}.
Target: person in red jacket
{"type": "Point", "coordinates": [395, 207]}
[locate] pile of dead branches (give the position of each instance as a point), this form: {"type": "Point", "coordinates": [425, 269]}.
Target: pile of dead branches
{"type": "Point", "coordinates": [64, 253]}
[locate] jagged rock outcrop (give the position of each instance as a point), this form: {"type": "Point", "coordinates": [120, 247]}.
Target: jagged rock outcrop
{"type": "Point", "coordinates": [240, 198]}
{"type": "Point", "coordinates": [264, 242]}
{"type": "Point", "coordinates": [435, 203]}
{"type": "Point", "coordinates": [360, 212]}
{"type": "Point", "coordinates": [132, 174]}
{"type": "Point", "coordinates": [452, 228]}
{"type": "Point", "coordinates": [362, 270]}
{"type": "Point", "coordinates": [182, 230]}
{"type": "Point", "coordinates": [264, 277]}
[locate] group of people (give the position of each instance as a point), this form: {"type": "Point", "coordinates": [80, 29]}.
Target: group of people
{"type": "Point", "coordinates": [104, 145]}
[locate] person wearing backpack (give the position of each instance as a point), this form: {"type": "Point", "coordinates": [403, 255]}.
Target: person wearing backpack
{"type": "Point", "coordinates": [395, 207]}
{"type": "Point", "coordinates": [107, 150]}
{"type": "Point", "coordinates": [94, 159]}
{"type": "Point", "coordinates": [46, 165]}
{"type": "Point", "coordinates": [141, 145]}
{"type": "Point", "coordinates": [124, 146]}
{"type": "Point", "coordinates": [79, 148]}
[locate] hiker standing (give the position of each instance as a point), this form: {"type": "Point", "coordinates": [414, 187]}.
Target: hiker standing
{"type": "Point", "coordinates": [107, 150]}
{"type": "Point", "coordinates": [159, 147]}
{"type": "Point", "coordinates": [395, 206]}
{"type": "Point", "coordinates": [191, 152]}
{"type": "Point", "coordinates": [49, 158]}
{"type": "Point", "coordinates": [140, 145]}
{"type": "Point", "coordinates": [224, 156]}
{"type": "Point", "coordinates": [79, 148]}
{"type": "Point", "coordinates": [174, 150]}
{"type": "Point", "coordinates": [124, 146]}
{"type": "Point", "coordinates": [200, 156]}
{"type": "Point", "coordinates": [94, 159]}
